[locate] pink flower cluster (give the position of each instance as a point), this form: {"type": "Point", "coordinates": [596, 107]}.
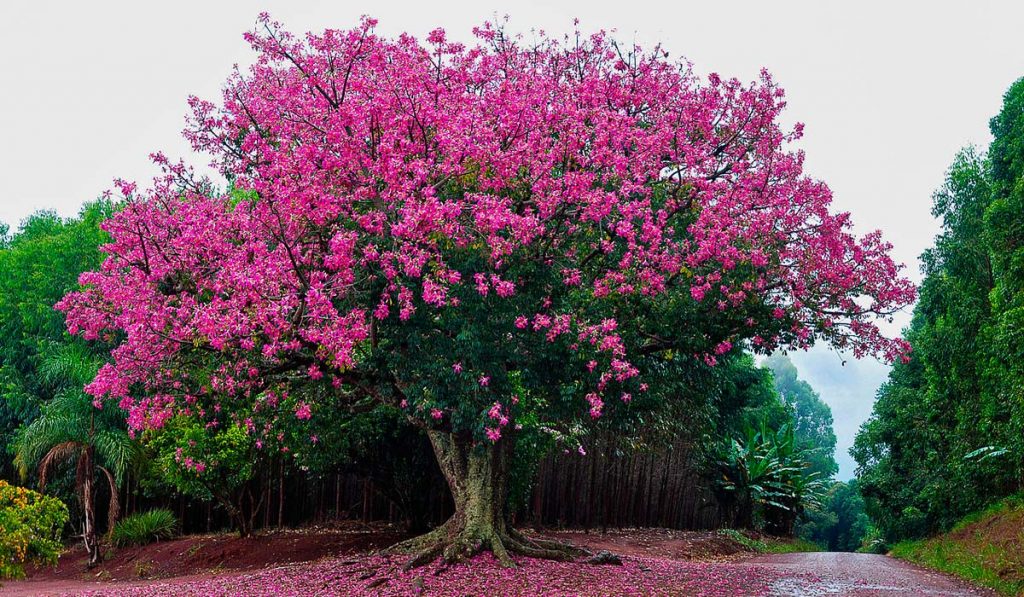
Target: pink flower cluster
{"type": "Point", "coordinates": [188, 462]}
{"type": "Point", "coordinates": [365, 169]}
{"type": "Point", "coordinates": [499, 416]}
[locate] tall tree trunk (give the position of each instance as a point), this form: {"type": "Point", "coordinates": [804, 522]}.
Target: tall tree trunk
{"type": "Point", "coordinates": [85, 476]}
{"type": "Point", "coordinates": [92, 547]}
{"type": "Point", "coordinates": [280, 495]}
{"type": "Point", "coordinates": [477, 476]}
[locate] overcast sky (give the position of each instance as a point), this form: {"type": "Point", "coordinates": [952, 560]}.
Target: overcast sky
{"type": "Point", "coordinates": [888, 91]}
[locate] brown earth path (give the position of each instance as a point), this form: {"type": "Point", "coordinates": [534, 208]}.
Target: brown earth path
{"type": "Point", "coordinates": [856, 574]}
{"type": "Point", "coordinates": [312, 561]}
{"type": "Point", "coordinates": [798, 574]}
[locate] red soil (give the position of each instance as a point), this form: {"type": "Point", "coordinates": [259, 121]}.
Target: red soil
{"type": "Point", "coordinates": [684, 546]}
{"type": "Point", "coordinates": [197, 554]}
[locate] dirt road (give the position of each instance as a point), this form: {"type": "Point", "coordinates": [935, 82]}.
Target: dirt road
{"type": "Point", "coordinates": [827, 573]}
{"type": "Point", "coordinates": [784, 575]}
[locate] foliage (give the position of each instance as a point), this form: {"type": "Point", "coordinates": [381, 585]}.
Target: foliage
{"type": "Point", "coordinates": [39, 263]}
{"type": "Point", "coordinates": [765, 477]}
{"type": "Point", "coordinates": [218, 464]}
{"type": "Point", "coordinates": [769, 544]}
{"type": "Point", "coordinates": [44, 415]}
{"type": "Point", "coordinates": [874, 541]}
{"type": "Point", "coordinates": [72, 429]}
{"type": "Point", "coordinates": [485, 237]}
{"type": "Point", "coordinates": [840, 523]}
{"type": "Point", "coordinates": [71, 418]}
{"type": "Point", "coordinates": [144, 528]}
{"type": "Point", "coordinates": [947, 433]}
{"type": "Point", "coordinates": [812, 418]}
{"type": "Point", "coordinates": [30, 529]}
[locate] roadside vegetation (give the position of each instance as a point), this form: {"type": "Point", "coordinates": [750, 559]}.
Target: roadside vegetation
{"type": "Point", "coordinates": [760, 543]}
{"type": "Point", "coordinates": [984, 547]}
{"type": "Point", "coordinates": [31, 526]}
{"type": "Point", "coordinates": [941, 460]}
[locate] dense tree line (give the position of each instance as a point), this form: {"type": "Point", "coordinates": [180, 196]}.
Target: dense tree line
{"type": "Point", "coordinates": [946, 435]}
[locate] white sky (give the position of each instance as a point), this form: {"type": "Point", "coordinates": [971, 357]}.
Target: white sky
{"type": "Point", "coordinates": [889, 91]}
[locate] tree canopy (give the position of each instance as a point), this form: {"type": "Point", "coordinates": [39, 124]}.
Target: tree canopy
{"type": "Point", "coordinates": [40, 262]}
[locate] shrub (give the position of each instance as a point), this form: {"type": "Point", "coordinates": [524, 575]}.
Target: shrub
{"type": "Point", "coordinates": [768, 544]}
{"type": "Point", "coordinates": [873, 541]}
{"type": "Point", "coordinates": [147, 527]}
{"type": "Point", "coordinates": [30, 529]}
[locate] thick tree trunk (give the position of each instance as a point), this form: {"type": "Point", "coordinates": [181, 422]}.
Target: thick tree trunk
{"type": "Point", "coordinates": [477, 476]}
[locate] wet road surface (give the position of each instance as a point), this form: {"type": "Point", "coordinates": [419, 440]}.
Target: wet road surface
{"type": "Point", "coordinates": [857, 574]}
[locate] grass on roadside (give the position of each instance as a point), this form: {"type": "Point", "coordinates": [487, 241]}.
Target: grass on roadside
{"type": "Point", "coordinates": [986, 547]}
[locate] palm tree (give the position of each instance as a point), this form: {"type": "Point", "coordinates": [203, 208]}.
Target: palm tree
{"type": "Point", "coordinates": [71, 430]}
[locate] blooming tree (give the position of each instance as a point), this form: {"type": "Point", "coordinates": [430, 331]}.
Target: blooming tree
{"type": "Point", "coordinates": [485, 236]}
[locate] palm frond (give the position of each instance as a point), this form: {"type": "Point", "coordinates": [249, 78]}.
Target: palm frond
{"type": "Point", "coordinates": [68, 364]}
{"type": "Point", "coordinates": [51, 429]}
{"type": "Point", "coordinates": [116, 450]}
{"type": "Point", "coordinates": [114, 511]}
{"type": "Point", "coordinates": [61, 451]}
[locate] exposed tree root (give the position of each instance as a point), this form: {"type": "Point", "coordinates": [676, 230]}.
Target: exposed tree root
{"type": "Point", "coordinates": [439, 544]}
{"type": "Point", "coordinates": [424, 556]}
{"type": "Point", "coordinates": [549, 544]}
{"type": "Point", "coordinates": [421, 542]}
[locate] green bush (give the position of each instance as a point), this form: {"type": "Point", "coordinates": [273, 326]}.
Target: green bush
{"type": "Point", "coordinates": [768, 544]}
{"type": "Point", "coordinates": [147, 527]}
{"type": "Point", "coordinates": [30, 529]}
{"type": "Point", "coordinates": [873, 541]}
